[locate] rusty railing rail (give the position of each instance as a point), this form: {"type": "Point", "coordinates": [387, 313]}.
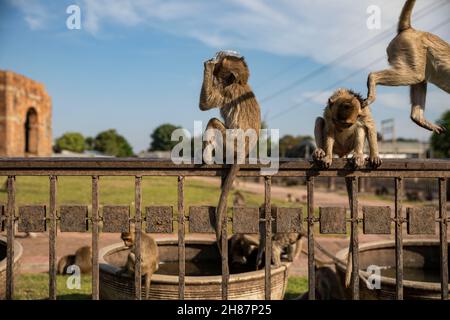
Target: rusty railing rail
{"type": "Point", "coordinates": [331, 220]}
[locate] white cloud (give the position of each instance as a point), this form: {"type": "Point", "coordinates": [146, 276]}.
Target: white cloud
{"type": "Point", "coordinates": [320, 29]}
{"type": "Point", "coordinates": [34, 12]}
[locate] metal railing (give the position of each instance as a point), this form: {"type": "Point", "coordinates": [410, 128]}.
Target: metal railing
{"type": "Point", "coordinates": [331, 220]}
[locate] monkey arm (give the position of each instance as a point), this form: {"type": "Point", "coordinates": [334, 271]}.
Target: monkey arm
{"type": "Point", "coordinates": [371, 132]}
{"type": "Point", "coordinates": [329, 143]}
{"type": "Point", "coordinates": [210, 95]}
{"type": "Point", "coordinates": [358, 152]}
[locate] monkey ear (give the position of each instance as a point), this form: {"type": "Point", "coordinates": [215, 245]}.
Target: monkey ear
{"type": "Point", "coordinates": [331, 101]}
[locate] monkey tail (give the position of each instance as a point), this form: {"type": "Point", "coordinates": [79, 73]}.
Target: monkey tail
{"type": "Point", "coordinates": [221, 208]}
{"type": "Point", "coordinates": [349, 268]}
{"type": "Point", "coordinates": [147, 285]}
{"type": "Point", "coordinates": [405, 16]}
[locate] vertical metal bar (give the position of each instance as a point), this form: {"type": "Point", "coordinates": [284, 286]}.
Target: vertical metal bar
{"type": "Point", "coordinates": [137, 238]}
{"type": "Point", "coordinates": [398, 238]}
{"type": "Point", "coordinates": [268, 234]}
{"type": "Point", "coordinates": [354, 237]}
{"type": "Point", "coordinates": [11, 186]}
{"type": "Point", "coordinates": [52, 240]}
{"type": "Point", "coordinates": [181, 248]}
{"type": "Point", "coordinates": [310, 219]}
{"type": "Point", "coordinates": [443, 237]}
{"type": "Point", "coordinates": [95, 233]}
{"type": "Point", "coordinates": [224, 252]}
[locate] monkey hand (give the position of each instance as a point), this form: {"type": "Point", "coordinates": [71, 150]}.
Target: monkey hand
{"type": "Point", "coordinates": [318, 154]}
{"type": "Point", "coordinates": [358, 160]}
{"type": "Point", "coordinates": [374, 160]}
{"type": "Point", "coordinates": [209, 64]}
{"type": "Point", "coordinates": [326, 161]}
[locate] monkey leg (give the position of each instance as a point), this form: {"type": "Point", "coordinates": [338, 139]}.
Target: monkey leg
{"type": "Point", "coordinates": [210, 138]}
{"type": "Point", "coordinates": [418, 99]}
{"type": "Point", "coordinates": [276, 255]}
{"type": "Point", "coordinates": [298, 248]}
{"type": "Point", "coordinates": [319, 135]}
{"type": "Point", "coordinates": [397, 76]}
{"type": "Point", "coordinates": [358, 155]}
{"type": "Point", "coordinates": [371, 133]}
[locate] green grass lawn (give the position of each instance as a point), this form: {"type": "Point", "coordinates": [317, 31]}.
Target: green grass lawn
{"type": "Point", "coordinates": [35, 286]}
{"type": "Point", "coordinates": [120, 191]}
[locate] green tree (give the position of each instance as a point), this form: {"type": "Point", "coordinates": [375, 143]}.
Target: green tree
{"type": "Point", "coordinates": [440, 143]}
{"type": "Point", "coordinates": [161, 138]}
{"type": "Point", "coordinates": [71, 141]}
{"type": "Point", "coordinates": [89, 143]}
{"type": "Point", "coordinates": [111, 143]}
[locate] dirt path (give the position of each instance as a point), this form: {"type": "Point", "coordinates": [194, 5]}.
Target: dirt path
{"type": "Point", "coordinates": [321, 197]}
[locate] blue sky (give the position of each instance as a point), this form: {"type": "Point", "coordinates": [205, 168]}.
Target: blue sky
{"type": "Point", "coordinates": [136, 64]}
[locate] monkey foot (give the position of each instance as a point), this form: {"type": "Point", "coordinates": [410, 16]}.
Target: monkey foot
{"type": "Point", "coordinates": [358, 160]}
{"type": "Point", "coordinates": [439, 129]}
{"type": "Point", "coordinates": [318, 154]}
{"type": "Point", "coordinates": [374, 161]}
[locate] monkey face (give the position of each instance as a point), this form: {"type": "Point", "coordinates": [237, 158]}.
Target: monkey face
{"type": "Point", "coordinates": [229, 70]}
{"type": "Point", "coordinates": [345, 107]}
{"type": "Point", "coordinates": [242, 250]}
{"type": "Point", "coordinates": [127, 239]}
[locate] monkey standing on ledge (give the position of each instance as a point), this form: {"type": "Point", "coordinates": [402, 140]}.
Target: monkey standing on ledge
{"type": "Point", "coordinates": [342, 131]}
{"type": "Point", "coordinates": [225, 86]}
{"type": "Point", "coordinates": [149, 257]}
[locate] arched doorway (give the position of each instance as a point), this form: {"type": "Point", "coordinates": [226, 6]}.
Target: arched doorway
{"type": "Point", "coordinates": [31, 132]}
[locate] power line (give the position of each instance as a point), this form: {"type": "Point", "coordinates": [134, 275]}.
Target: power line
{"type": "Point", "coordinates": [337, 83]}
{"type": "Point", "coordinates": [327, 88]}
{"type": "Point", "coordinates": [367, 44]}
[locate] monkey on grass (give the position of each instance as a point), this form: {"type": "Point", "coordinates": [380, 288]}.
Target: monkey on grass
{"type": "Point", "coordinates": [82, 259]}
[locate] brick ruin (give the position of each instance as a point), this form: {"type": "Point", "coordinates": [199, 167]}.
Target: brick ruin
{"type": "Point", "coordinates": [25, 117]}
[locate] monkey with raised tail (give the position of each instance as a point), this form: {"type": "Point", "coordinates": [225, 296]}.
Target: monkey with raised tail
{"type": "Point", "coordinates": [416, 58]}
{"type": "Point", "coordinates": [225, 86]}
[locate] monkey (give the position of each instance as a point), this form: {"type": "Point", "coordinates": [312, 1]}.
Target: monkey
{"type": "Point", "coordinates": [282, 243]}
{"type": "Point", "coordinates": [343, 130]}
{"type": "Point", "coordinates": [327, 285]}
{"type": "Point", "coordinates": [82, 258]}
{"type": "Point", "coordinates": [242, 252]}
{"type": "Point", "coordinates": [238, 199]}
{"type": "Point", "coordinates": [149, 257]}
{"type": "Point", "coordinates": [416, 58]}
{"type": "Point", "coordinates": [225, 86]}
{"type": "Point", "coordinates": [289, 197]}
